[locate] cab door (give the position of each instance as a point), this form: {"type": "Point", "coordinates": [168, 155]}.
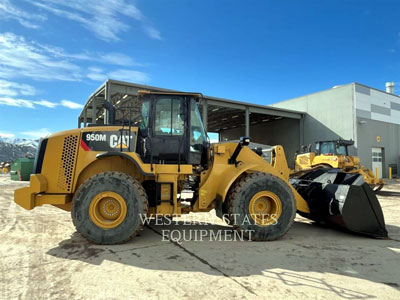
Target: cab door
{"type": "Point", "coordinates": [171, 131]}
{"type": "Point", "coordinates": [168, 132]}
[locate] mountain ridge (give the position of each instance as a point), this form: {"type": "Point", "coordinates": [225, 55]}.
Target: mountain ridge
{"type": "Point", "coordinates": [13, 148]}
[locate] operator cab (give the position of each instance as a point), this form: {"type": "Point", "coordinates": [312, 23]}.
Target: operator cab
{"type": "Point", "coordinates": [171, 130]}
{"type": "Point", "coordinates": [330, 148]}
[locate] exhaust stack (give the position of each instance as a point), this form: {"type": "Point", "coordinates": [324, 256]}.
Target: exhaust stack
{"type": "Point", "coordinates": [390, 87]}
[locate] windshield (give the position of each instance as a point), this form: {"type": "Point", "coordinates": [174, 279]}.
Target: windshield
{"type": "Point", "coordinates": [332, 148]}
{"type": "Point", "coordinates": [328, 148]}
{"type": "Point", "coordinates": [197, 133]}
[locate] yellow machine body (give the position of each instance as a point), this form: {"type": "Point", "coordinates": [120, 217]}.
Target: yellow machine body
{"type": "Point", "coordinates": [311, 160]}
{"type": "Point", "coordinates": [347, 163]}
{"type": "Point", "coordinates": [67, 164]}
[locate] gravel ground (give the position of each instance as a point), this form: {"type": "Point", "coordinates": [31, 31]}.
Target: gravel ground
{"type": "Point", "coordinates": [42, 257]}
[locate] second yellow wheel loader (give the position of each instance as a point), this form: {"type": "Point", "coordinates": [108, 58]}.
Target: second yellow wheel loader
{"type": "Point", "coordinates": [335, 154]}
{"type": "Point", "coordinates": [111, 177]}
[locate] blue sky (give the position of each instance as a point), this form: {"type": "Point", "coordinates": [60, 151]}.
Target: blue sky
{"type": "Point", "coordinates": [55, 53]}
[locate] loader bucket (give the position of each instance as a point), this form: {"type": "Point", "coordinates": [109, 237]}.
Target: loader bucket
{"type": "Point", "coordinates": [342, 199]}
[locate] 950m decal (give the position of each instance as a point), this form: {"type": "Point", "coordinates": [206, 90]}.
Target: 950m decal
{"type": "Point", "coordinates": [108, 141]}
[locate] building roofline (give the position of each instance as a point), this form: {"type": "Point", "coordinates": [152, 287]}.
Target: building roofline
{"type": "Point", "coordinates": [382, 91]}
{"type": "Point", "coordinates": [206, 97]}
{"type": "Point", "coordinates": [337, 87]}
{"type": "Point", "coordinates": [314, 93]}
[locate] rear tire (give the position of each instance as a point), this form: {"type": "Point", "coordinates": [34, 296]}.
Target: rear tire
{"type": "Point", "coordinates": [242, 203]}
{"type": "Point", "coordinates": [107, 208]}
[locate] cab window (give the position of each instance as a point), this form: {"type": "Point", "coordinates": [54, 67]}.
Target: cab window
{"type": "Point", "coordinates": [341, 150]}
{"type": "Point", "coordinates": [145, 115]}
{"type": "Point", "coordinates": [169, 119]}
{"type": "Point", "coordinates": [328, 148]}
{"type": "Point", "coordinates": [197, 133]}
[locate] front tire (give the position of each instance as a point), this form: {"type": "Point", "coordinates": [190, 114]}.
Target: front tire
{"type": "Point", "coordinates": [107, 208]}
{"type": "Point", "coordinates": [261, 206]}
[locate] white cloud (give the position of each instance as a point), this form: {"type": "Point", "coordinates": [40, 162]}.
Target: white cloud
{"type": "Point", "coordinates": [37, 134]}
{"type": "Point", "coordinates": [71, 105]}
{"type": "Point", "coordinates": [129, 75]}
{"type": "Point", "coordinates": [32, 104]}
{"type": "Point", "coordinates": [20, 58]}
{"type": "Point", "coordinates": [59, 52]}
{"type": "Point", "coordinates": [118, 59]}
{"type": "Point", "coordinates": [99, 74]}
{"type": "Point", "coordinates": [16, 102]}
{"type": "Point", "coordinates": [111, 58]}
{"type": "Point", "coordinates": [96, 74]}
{"type": "Point", "coordinates": [9, 88]}
{"type": "Point", "coordinates": [152, 32]}
{"type": "Point", "coordinates": [95, 69]}
{"type": "Point", "coordinates": [106, 19]}
{"type": "Point", "coordinates": [45, 103]}
{"type": "Point", "coordinates": [11, 12]}
{"type": "Point", "coordinates": [6, 135]}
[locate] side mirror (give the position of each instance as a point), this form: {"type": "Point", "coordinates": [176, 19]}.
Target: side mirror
{"type": "Point", "coordinates": [244, 141]}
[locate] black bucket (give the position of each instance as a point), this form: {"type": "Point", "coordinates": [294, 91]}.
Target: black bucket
{"type": "Point", "coordinates": [341, 199]}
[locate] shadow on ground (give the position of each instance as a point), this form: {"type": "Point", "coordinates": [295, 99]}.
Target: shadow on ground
{"type": "Point", "coordinates": [306, 248]}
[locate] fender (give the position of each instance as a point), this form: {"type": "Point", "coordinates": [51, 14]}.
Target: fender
{"type": "Point", "coordinates": [227, 181]}
{"type": "Point", "coordinates": [222, 174]}
{"type": "Point", "coordinates": [130, 158]}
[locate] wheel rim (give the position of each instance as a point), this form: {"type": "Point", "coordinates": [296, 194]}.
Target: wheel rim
{"type": "Point", "coordinates": [107, 210]}
{"type": "Point", "coordinates": [265, 208]}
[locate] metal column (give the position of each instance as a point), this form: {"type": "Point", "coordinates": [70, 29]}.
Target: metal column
{"type": "Point", "coordinates": [94, 111]}
{"type": "Point", "coordinates": [205, 113]}
{"type": "Point", "coordinates": [85, 116]}
{"type": "Point", "coordinates": [301, 131]}
{"type": "Point", "coordinates": [247, 118]}
{"type": "Point", "coordinates": [107, 96]}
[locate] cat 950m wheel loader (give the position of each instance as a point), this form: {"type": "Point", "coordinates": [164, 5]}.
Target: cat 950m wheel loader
{"type": "Point", "coordinates": [109, 177]}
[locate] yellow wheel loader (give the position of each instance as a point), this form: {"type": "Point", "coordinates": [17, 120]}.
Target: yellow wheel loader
{"type": "Point", "coordinates": [111, 177]}
{"type": "Point", "coordinates": [334, 154]}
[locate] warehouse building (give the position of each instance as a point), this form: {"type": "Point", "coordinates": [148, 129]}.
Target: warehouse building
{"type": "Point", "coordinates": [354, 111]}
{"type": "Point", "coordinates": [366, 115]}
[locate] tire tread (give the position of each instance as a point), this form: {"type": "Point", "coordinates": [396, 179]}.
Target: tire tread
{"type": "Point", "coordinates": [233, 198]}
{"type": "Point", "coordinates": [123, 177]}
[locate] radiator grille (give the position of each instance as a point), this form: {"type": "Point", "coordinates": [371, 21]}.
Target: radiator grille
{"type": "Point", "coordinates": [67, 163]}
